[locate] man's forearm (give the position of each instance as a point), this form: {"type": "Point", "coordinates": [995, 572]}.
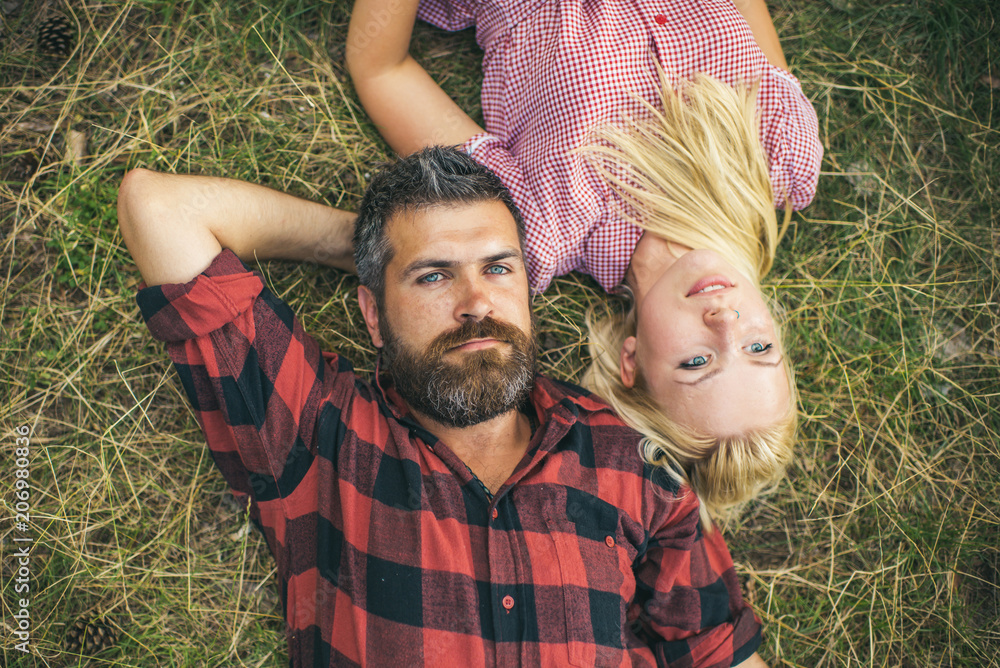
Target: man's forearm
{"type": "Point", "coordinates": [175, 225]}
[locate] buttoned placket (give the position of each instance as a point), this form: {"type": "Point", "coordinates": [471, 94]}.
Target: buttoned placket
{"type": "Point", "coordinates": [513, 604]}
{"type": "Point", "coordinates": [505, 553]}
{"type": "Point", "coordinates": [503, 549]}
{"type": "Point", "coordinates": [509, 601]}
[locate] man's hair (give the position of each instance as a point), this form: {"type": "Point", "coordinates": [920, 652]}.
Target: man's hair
{"type": "Point", "coordinates": [434, 176]}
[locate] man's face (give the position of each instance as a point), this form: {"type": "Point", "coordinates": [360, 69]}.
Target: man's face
{"type": "Point", "coordinates": [455, 327]}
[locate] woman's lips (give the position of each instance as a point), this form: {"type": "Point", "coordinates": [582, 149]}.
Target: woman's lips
{"type": "Point", "coordinates": [709, 285]}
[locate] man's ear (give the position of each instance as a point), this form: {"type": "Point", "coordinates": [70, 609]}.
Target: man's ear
{"type": "Point", "coordinates": [627, 363]}
{"type": "Point", "coordinates": [369, 309]}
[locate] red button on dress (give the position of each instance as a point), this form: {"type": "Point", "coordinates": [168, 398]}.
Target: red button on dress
{"type": "Point", "coordinates": [660, 18]}
{"type": "Point", "coordinates": [610, 541]}
{"type": "Point", "coordinates": [495, 513]}
{"type": "Point", "coordinates": [508, 602]}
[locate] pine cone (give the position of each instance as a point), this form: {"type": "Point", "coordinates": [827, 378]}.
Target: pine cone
{"type": "Point", "coordinates": [90, 637]}
{"type": "Point", "coordinates": [22, 167]}
{"type": "Point", "coordinates": [55, 36]}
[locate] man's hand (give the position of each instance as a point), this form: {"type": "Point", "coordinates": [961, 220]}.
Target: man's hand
{"type": "Point", "coordinates": [175, 225]}
{"type": "Point", "coordinates": [409, 109]}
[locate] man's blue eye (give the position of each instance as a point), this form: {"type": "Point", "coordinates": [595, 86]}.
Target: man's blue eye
{"type": "Point", "coordinates": [431, 278]}
{"type": "Point", "coordinates": [497, 269]}
{"type": "Point", "coordinates": [695, 362]}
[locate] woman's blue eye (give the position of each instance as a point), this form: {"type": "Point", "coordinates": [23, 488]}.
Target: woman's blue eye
{"type": "Point", "coordinates": [695, 362]}
{"type": "Point", "coordinates": [760, 347]}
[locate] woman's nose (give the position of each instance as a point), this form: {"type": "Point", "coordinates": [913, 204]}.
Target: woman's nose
{"type": "Point", "coordinates": [721, 316]}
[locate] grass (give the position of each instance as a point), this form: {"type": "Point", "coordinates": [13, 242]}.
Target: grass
{"type": "Point", "coordinates": [882, 547]}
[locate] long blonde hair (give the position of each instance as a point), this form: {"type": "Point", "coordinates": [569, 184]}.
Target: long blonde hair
{"type": "Point", "coordinates": [694, 172]}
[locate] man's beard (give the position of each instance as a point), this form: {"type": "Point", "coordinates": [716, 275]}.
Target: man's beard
{"type": "Point", "coordinates": [476, 386]}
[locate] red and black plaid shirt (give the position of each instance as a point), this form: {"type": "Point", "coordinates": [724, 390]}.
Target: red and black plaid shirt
{"type": "Point", "coordinates": [389, 552]}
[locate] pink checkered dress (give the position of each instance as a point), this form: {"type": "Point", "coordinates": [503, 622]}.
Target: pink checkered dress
{"type": "Point", "coordinates": [555, 70]}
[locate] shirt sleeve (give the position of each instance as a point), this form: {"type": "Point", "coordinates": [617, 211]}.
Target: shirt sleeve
{"type": "Point", "coordinates": [688, 602]}
{"type": "Point", "coordinates": [790, 134]}
{"type": "Point", "coordinates": [451, 15]}
{"type": "Point", "coordinates": [254, 379]}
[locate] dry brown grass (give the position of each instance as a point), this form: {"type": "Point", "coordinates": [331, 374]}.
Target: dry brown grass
{"type": "Point", "coordinates": [881, 548]}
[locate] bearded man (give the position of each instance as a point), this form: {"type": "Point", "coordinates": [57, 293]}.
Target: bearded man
{"type": "Point", "coordinates": [460, 510]}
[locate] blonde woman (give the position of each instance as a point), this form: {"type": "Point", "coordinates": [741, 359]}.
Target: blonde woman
{"type": "Point", "coordinates": [695, 360]}
{"type": "Point", "coordinates": [669, 200]}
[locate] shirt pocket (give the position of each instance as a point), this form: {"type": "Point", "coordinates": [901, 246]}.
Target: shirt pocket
{"type": "Point", "coordinates": [595, 567]}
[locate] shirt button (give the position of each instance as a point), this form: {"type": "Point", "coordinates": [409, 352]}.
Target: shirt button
{"type": "Point", "coordinates": [660, 18]}
{"type": "Point", "coordinates": [495, 513]}
{"type": "Point", "coordinates": [508, 602]}
{"type": "Point", "coordinates": [610, 541]}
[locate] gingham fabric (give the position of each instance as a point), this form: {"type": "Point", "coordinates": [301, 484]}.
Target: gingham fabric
{"type": "Point", "coordinates": [554, 70]}
{"type": "Point", "coordinates": [389, 552]}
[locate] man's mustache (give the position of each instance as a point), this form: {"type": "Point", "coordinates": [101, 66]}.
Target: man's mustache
{"type": "Point", "coordinates": [487, 328]}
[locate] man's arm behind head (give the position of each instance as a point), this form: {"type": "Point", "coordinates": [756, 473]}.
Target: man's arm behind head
{"type": "Point", "coordinates": [158, 218]}
{"type": "Point", "coordinates": [175, 225]}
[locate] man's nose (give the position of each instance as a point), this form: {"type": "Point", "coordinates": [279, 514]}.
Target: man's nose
{"type": "Point", "coordinates": [475, 302]}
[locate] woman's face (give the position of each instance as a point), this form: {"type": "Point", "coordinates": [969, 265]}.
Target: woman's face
{"type": "Point", "coordinates": [707, 348]}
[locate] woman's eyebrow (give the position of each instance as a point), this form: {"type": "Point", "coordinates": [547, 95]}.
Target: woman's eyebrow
{"type": "Point", "coordinates": [710, 374]}
{"type": "Point", "coordinates": [774, 363]}
{"type": "Point", "coordinates": [717, 371]}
